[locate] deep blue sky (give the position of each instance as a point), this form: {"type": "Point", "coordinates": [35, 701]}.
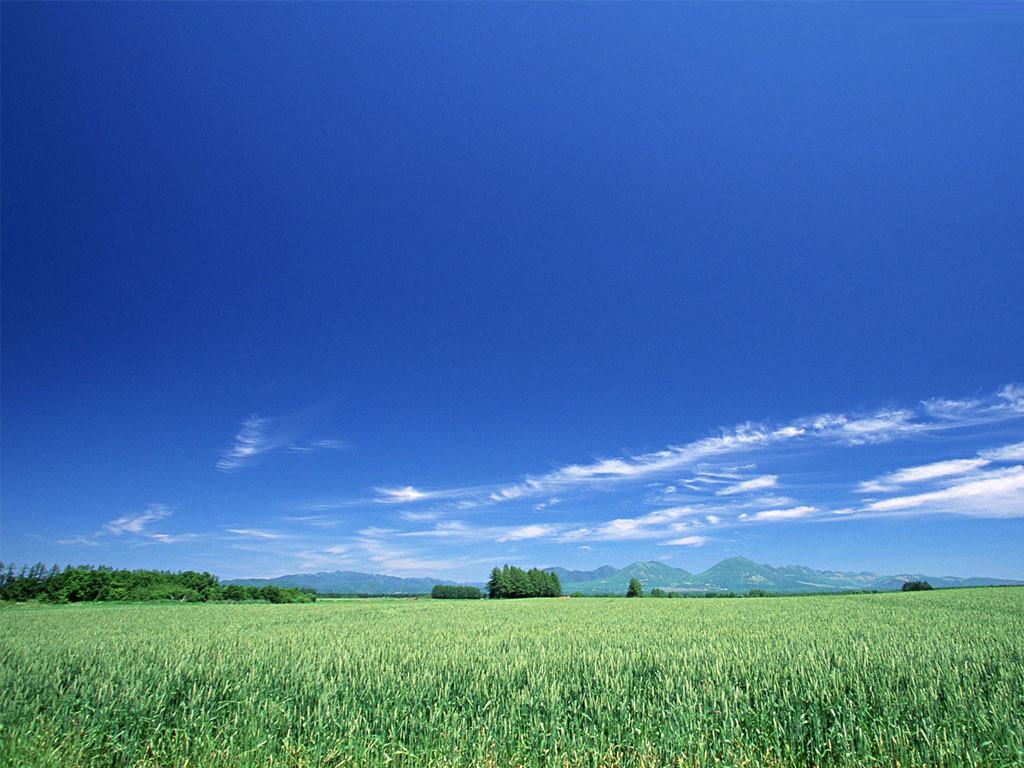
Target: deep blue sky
{"type": "Point", "coordinates": [291, 287]}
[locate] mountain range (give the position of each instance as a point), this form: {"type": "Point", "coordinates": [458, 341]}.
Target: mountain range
{"type": "Point", "coordinates": [740, 575]}
{"type": "Point", "coordinates": [736, 574]}
{"type": "Point", "coordinates": [348, 583]}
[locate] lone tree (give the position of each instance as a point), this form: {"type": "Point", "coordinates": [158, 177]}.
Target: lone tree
{"type": "Point", "coordinates": [635, 589]}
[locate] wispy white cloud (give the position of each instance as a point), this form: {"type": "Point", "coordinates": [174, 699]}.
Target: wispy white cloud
{"type": "Point", "coordinates": [950, 409]}
{"type": "Point", "coordinates": [259, 436]}
{"type": "Point", "coordinates": [754, 484]}
{"type": "Point", "coordinates": [1012, 396]}
{"type": "Point", "coordinates": [682, 493]}
{"type": "Point", "coordinates": [881, 427]}
{"type": "Point", "coordinates": [255, 533]}
{"type": "Point", "coordinates": [137, 522]}
{"type": "Point", "coordinates": [314, 521]}
{"type": "Point", "coordinates": [389, 558]}
{"type": "Point", "coordinates": [457, 529]}
{"type": "Point", "coordinates": [935, 470]}
{"type": "Point", "coordinates": [330, 444]}
{"type": "Point", "coordinates": [79, 540]}
{"type": "Point", "coordinates": [793, 513]}
{"type": "Point", "coordinates": [133, 527]}
{"type": "Point", "coordinates": [400, 495]}
{"type": "Point", "coordinates": [535, 531]}
{"type": "Point", "coordinates": [922, 473]}
{"type": "Point", "coordinates": [687, 541]}
{"type": "Point", "coordinates": [168, 538]}
{"type": "Point", "coordinates": [997, 493]}
{"type": "Point", "coordinates": [408, 494]}
{"type": "Point", "coordinates": [1013, 452]}
{"type": "Point", "coordinates": [255, 438]}
{"type": "Point", "coordinates": [328, 558]}
{"type": "Point", "coordinates": [877, 427]}
{"type": "Point", "coordinates": [745, 437]}
{"type": "Point", "coordinates": [649, 526]}
{"type": "Point", "coordinates": [418, 517]}
{"type": "Point", "coordinates": [938, 470]}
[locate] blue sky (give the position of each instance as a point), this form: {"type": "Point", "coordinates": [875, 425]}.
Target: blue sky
{"type": "Point", "coordinates": [418, 289]}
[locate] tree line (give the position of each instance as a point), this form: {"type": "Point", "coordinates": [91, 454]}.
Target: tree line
{"type": "Point", "coordinates": [511, 582]}
{"type": "Point", "coordinates": [450, 592]}
{"type": "Point", "coordinates": [916, 586]}
{"type": "Point", "coordinates": [86, 583]}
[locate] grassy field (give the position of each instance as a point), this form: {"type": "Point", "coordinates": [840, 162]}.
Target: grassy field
{"type": "Point", "coordinates": [917, 679]}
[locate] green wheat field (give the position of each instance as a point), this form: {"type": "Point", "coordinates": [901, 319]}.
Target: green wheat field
{"type": "Point", "coordinates": [916, 679]}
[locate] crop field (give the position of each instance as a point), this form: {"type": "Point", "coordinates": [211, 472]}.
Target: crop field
{"type": "Point", "coordinates": [917, 679]}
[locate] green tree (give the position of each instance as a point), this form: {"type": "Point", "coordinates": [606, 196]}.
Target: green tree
{"type": "Point", "coordinates": [494, 583]}
{"type": "Point", "coordinates": [520, 582]}
{"type": "Point", "coordinates": [635, 588]}
{"type": "Point", "coordinates": [555, 585]}
{"type": "Point", "coordinates": [538, 582]}
{"type": "Point", "coordinates": [505, 583]}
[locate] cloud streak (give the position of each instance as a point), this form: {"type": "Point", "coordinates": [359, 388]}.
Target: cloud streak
{"type": "Point", "coordinates": [134, 527]}
{"type": "Point", "coordinates": [137, 522]}
{"type": "Point", "coordinates": [999, 493]}
{"type": "Point", "coordinates": [687, 495]}
{"type": "Point", "coordinates": [793, 513]}
{"type": "Point", "coordinates": [260, 436]}
{"type": "Point", "coordinates": [881, 426]}
{"type": "Point", "coordinates": [754, 484]}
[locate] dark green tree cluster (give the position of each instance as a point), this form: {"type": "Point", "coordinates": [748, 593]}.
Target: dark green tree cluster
{"type": "Point", "coordinates": [916, 586]}
{"type": "Point", "coordinates": [448, 592]}
{"type": "Point", "coordinates": [509, 582]}
{"type": "Point", "coordinates": [86, 583]}
{"type": "Point", "coordinates": [635, 589]}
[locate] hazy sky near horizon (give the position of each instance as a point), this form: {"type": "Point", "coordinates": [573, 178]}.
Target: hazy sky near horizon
{"type": "Point", "coordinates": [417, 289]}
